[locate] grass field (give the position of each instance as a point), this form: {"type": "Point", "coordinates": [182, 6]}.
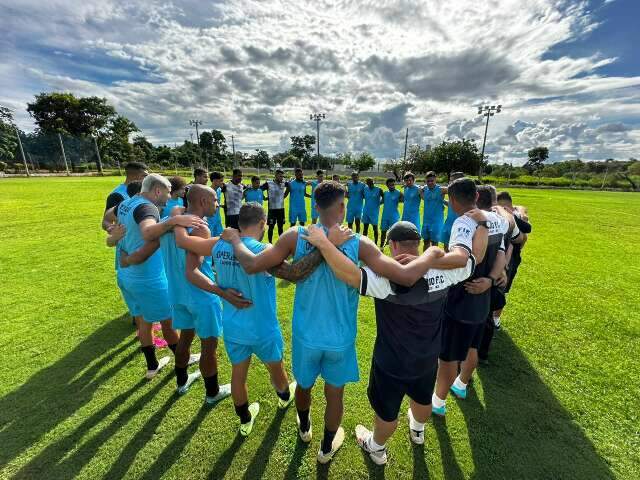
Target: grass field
{"type": "Point", "coordinates": [559, 399]}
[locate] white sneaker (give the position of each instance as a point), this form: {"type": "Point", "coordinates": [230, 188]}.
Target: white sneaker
{"type": "Point", "coordinates": [193, 358]}
{"type": "Point", "coordinates": [304, 436]}
{"type": "Point", "coordinates": [335, 446]}
{"type": "Point", "coordinates": [223, 392]}
{"type": "Point", "coordinates": [161, 364]}
{"type": "Point", "coordinates": [245, 428]}
{"type": "Point", "coordinates": [379, 457]}
{"type": "Point", "coordinates": [496, 322]}
{"type": "Point", "coordinates": [417, 436]}
{"type": "Point", "coordinates": [190, 379]}
{"type": "Point", "coordinates": [282, 404]}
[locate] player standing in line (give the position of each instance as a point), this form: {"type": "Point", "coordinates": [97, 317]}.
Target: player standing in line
{"type": "Point", "coordinates": [319, 179]}
{"type": "Point", "coordinates": [233, 193]}
{"type": "Point", "coordinates": [135, 172]}
{"type": "Point", "coordinates": [254, 193]}
{"type": "Point", "coordinates": [451, 216]}
{"type": "Point", "coordinates": [411, 209]}
{"type": "Point", "coordinates": [433, 212]}
{"type": "Point", "coordinates": [355, 194]}
{"type": "Point", "coordinates": [200, 176]}
{"type": "Point", "coordinates": [297, 202]}
{"type": "Point", "coordinates": [390, 213]}
{"type": "Point", "coordinates": [277, 190]}
{"type": "Point", "coordinates": [215, 221]}
{"type": "Point", "coordinates": [371, 211]}
{"type": "Point", "coordinates": [178, 189]}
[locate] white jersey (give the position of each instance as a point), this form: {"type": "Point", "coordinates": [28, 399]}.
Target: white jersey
{"type": "Point", "coordinates": [233, 197]}
{"type": "Point", "coordinates": [275, 191]}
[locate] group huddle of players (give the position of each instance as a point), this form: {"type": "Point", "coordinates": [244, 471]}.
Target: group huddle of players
{"type": "Point", "coordinates": [436, 312]}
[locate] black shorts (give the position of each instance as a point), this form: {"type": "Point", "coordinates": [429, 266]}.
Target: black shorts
{"type": "Point", "coordinates": [511, 274]}
{"type": "Point", "coordinates": [275, 215]}
{"type": "Point", "coordinates": [458, 338]}
{"type": "Point", "coordinates": [498, 298]}
{"type": "Point", "coordinates": [386, 392]}
{"type": "Point", "coordinates": [232, 221]}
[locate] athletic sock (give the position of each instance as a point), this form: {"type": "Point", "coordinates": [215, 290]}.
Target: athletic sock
{"type": "Point", "coordinates": [327, 440]}
{"type": "Point", "coordinates": [373, 446]}
{"type": "Point", "coordinates": [173, 347]}
{"type": "Point", "coordinates": [211, 385]}
{"type": "Point", "coordinates": [150, 356]}
{"type": "Point", "coordinates": [303, 415]}
{"type": "Point", "coordinates": [437, 401]}
{"type": "Point", "coordinates": [459, 384]}
{"type": "Point", "coordinates": [284, 396]}
{"type": "Point", "coordinates": [243, 412]}
{"type": "Point", "coordinates": [415, 425]}
{"type": "Point", "coordinates": [181, 375]}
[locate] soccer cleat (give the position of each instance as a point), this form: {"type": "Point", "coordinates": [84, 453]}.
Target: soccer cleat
{"type": "Point", "coordinates": [224, 391]}
{"type": "Point", "coordinates": [161, 364]}
{"type": "Point", "coordinates": [461, 393]}
{"type": "Point", "coordinates": [159, 342]}
{"type": "Point", "coordinates": [193, 358]}
{"type": "Point", "coordinates": [304, 436]}
{"type": "Point", "coordinates": [417, 436]}
{"type": "Point", "coordinates": [190, 379]}
{"type": "Point", "coordinates": [379, 457]}
{"type": "Point", "coordinates": [245, 428]}
{"type": "Point", "coordinates": [282, 404]}
{"type": "Point", "coordinates": [439, 411]}
{"type": "Point", "coordinates": [324, 458]}
{"type": "Point", "coordinates": [496, 322]}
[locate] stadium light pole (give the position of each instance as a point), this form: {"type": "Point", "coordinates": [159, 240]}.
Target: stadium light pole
{"type": "Point", "coordinates": [486, 111]}
{"type": "Point", "coordinates": [317, 117]}
{"type": "Point", "coordinates": [196, 123]}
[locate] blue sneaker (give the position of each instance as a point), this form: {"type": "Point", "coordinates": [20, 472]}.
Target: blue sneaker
{"type": "Point", "coordinates": [461, 393]}
{"type": "Point", "coordinates": [440, 411]}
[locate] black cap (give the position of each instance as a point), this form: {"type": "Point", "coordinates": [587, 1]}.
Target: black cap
{"type": "Point", "coordinates": [401, 231]}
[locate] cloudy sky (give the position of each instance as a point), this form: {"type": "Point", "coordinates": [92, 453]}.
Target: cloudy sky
{"type": "Point", "coordinates": [566, 72]}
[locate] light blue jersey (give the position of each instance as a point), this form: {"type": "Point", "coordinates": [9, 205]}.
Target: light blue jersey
{"type": "Point", "coordinates": [411, 210]}
{"type": "Point", "coordinates": [172, 202]}
{"type": "Point", "coordinates": [356, 197]}
{"type": "Point", "coordinates": [371, 211]}
{"type": "Point", "coordinates": [215, 221]}
{"type": "Point", "coordinates": [258, 323]}
{"type": "Point", "coordinates": [152, 268]}
{"type": "Point", "coordinates": [314, 211]}
{"type": "Point", "coordinates": [448, 224]}
{"type": "Point", "coordinates": [254, 195]}
{"type": "Point", "coordinates": [390, 213]}
{"type": "Point", "coordinates": [122, 191]}
{"type": "Point", "coordinates": [325, 309]}
{"type": "Point", "coordinates": [433, 205]}
{"type": "Point", "coordinates": [296, 196]}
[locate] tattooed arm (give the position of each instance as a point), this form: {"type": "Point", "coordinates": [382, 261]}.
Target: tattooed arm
{"type": "Point", "coordinates": [300, 270]}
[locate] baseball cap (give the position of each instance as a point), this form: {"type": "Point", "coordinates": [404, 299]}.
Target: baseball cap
{"type": "Point", "coordinates": [401, 231]}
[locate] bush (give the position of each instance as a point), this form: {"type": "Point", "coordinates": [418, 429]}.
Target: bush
{"type": "Point", "coordinates": [3, 166]}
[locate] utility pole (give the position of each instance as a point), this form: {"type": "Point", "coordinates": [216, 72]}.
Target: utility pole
{"type": "Point", "coordinates": [24, 159]}
{"type": "Point", "coordinates": [64, 156]}
{"type": "Point", "coordinates": [406, 140]}
{"type": "Point", "coordinates": [317, 117]}
{"type": "Point", "coordinates": [99, 160]}
{"type": "Point", "coordinates": [233, 149]}
{"type": "Point", "coordinates": [486, 111]}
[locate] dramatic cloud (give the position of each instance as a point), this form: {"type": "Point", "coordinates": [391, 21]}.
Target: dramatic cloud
{"type": "Point", "coordinates": [375, 67]}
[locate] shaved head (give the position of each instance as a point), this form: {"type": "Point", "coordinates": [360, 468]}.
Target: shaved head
{"type": "Point", "coordinates": [202, 199]}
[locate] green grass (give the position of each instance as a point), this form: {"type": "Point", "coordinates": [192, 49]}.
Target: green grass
{"type": "Point", "coordinates": [559, 400]}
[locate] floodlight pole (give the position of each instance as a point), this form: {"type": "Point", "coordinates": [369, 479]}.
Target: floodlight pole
{"type": "Point", "coordinates": [486, 111]}
{"type": "Point", "coordinates": [24, 159]}
{"type": "Point", "coordinates": [64, 156]}
{"type": "Point", "coordinates": [99, 160]}
{"type": "Point", "coordinates": [317, 117]}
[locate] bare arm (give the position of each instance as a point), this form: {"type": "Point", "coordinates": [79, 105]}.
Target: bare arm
{"type": "Point", "coordinates": [269, 258]}
{"type": "Point", "coordinates": [140, 255]}
{"type": "Point", "coordinates": [116, 233]}
{"type": "Point", "coordinates": [300, 270]}
{"type": "Point", "coordinates": [201, 243]}
{"type": "Point", "coordinates": [152, 230]}
{"type": "Point", "coordinates": [109, 219]}
{"type": "Point", "coordinates": [342, 267]}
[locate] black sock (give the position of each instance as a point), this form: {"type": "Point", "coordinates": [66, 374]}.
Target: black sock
{"type": "Point", "coordinates": [150, 356]}
{"type": "Point", "coordinates": [181, 375]}
{"type": "Point", "coordinates": [243, 412]}
{"type": "Point", "coordinates": [173, 347]}
{"type": "Point", "coordinates": [284, 396]}
{"type": "Point", "coordinates": [327, 440]}
{"type": "Point", "coordinates": [211, 385]}
{"type": "Point", "coordinates": [303, 415]}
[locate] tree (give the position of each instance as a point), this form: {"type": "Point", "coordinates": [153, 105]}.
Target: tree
{"type": "Point", "coordinates": [115, 142]}
{"type": "Point", "coordinates": [143, 149]}
{"type": "Point", "coordinates": [8, 139]}
{"type": "Point", "coordinates": [346, 159]}
{"type": "Point", "coordinates": [537, 157]}
{"type": "Point", "coordinates": [302, 146]}
{"type": "Point", "coordinates": [64, 113]}
{"type": "Point", "coordinates": [291, 161]}
{"type": "Point", "coordinates": [363, 162]}
{"type": "Point", "coordinates": [218, 147]}
{"type": "Point", "coordinates": [394, 166]}
{"type": "Point", "coordinates": [457, 156]}
{"type": "Point", "coordinates": [260, 159]}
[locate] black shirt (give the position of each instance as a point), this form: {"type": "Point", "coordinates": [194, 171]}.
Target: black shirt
{"type": "Point", "coordinates": [143, 211]}
{"type": "Point", "coordinates": [113, 199]}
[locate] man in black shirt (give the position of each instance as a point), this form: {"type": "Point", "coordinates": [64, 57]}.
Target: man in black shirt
{"type": "Point", "coordinates": [135, 172]}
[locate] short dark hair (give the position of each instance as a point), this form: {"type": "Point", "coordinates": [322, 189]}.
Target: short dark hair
{"type": "Point", "coordinates": [504, 197]}
{"type": "Point", "coordinates": [236, 171]}
{"type": "Point", "coordinates": [320, 172]}
{"type": "Point", "coordinates": [456, 175]}
{"type": "Point", "coordinates": [431, 174]}
{"type": "Point", "coordinates": [134, 188]}
{"type": "Point", "coordinates": [199, 171]}
{"type": "Point", "coordinates": [251, 213]}
{"type": "Point", "coordinates": [328, 193]}
{"type": "Point", "coordinates": [463, 190]}
{"type": "Point", "coordinates": [484, 196]}
{"type": "Point", "coordinates": [297, 169]}
{"type": "Point", "coordinates": [135, 167]}
{"type": "Point", "coordinates": [177, 183]}
{"type": "Point", "coordinates": [279, 172]}
{"type": "Point", "coordinates": [390, 180]}
{"type": "Point", "coordinates": [355, 172]}
{"type": "Point", "coordinates": [216, 176]}
{"type": "Point", "coordinates": [255, 177]}
{"type": "Point", "coordinates": [408, 175]}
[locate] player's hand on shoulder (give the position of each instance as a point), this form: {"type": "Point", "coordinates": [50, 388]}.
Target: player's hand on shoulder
{"type": "Point", "coordinates": [435, 252]}
{"type": "Point", "coordinates": [187, 221]}
{"type": "Point", "coordinates": [230, 235]}
{"type": "Point", "coordinates": [405, 258]}
{"type": "Point", "coordinates": [201, 231]}
{"type": "Point", "coordinates": [338, 234]}
{"type": "Point", "coordinates": [314, 235]}
{"type": "Point", "coordinates": [476, 215]}
{"type": "Point", "coordinates": [177, 210]}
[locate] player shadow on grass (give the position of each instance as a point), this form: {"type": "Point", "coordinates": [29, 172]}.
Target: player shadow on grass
{"type": "Point", "coordinates": [523, 431]}
{"type": "Point", "coordinates": [58, 391]}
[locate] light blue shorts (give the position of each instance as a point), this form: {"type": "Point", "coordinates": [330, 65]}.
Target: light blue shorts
{"type": "Point", "coordinates": [268, 351]}
{"type": "Point", "coordinates": [205, 318]}
{"type": "Point", "coordinates": [353, 213]}
{"type": "Point", "coordinates": [432, 231]}
{"type": "Point", "coordinates": [148, 299]}
{"type": "Point", "coordinates": [337, 368]}
{"type": "Point", "coordinates": [413, 218]}
{"type": "Point", "coordinates": [297, 216]}
{"type": "Point", "coordinates": [370, 218]}
{"type": "Point", "coordinates": [388, 222]}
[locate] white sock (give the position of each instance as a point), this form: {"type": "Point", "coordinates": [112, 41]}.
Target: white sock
{"type": "Point", "coordinates": [373, 446]}
{"type": "Point", "coordinates": [415, 425]}
{"type": "Point", "coordinates": [459, 384]}
{"type": "Point", "coordinates": [437, 401]}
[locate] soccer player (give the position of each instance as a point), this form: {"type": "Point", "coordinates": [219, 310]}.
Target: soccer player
{"type": "Point", "coordinates": [200, 176]}
{"type": "Point", "coordinates": [144, 285]}
{"type": "Point", "coordinates": [215, 221]}
{"type": "Point", "coordinates": [277, 190]}
{"type": "Point", "coordinates": [451, 216]}
{"type": "Point", "coordinates": [411, 194]}
{"type": "Point", "coordinates": [178, 187]}
{"type": "Point", "coordinates": [405, 355]}
{"type": "Point", "coordinates": [135, 172]}
{"type": "Point", "coordinates": [233, 193]}
{"type": "Point", "coordinates": [297, 202]}
{"type": "Point", "coordinates": [325, 313]}
{"type": "Point", "coordinates": [433, 212]}
{"type": "Point", "coordinates": [319, 179]}
{"type": "Point", "coordinates": [355, 194]}
{"type": "Point", "coordinates": [255, 330]}
{"type": "Point", "coordinates": [522, 220]}
{"type": "Point", "coordinates": [255, 192]}
{"type": "Point", "coordinates": [390, 214]}
{"type": "Point", "coordinates": [371, 211]}
{"type": "Point", "coordinates": [468, 304]}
